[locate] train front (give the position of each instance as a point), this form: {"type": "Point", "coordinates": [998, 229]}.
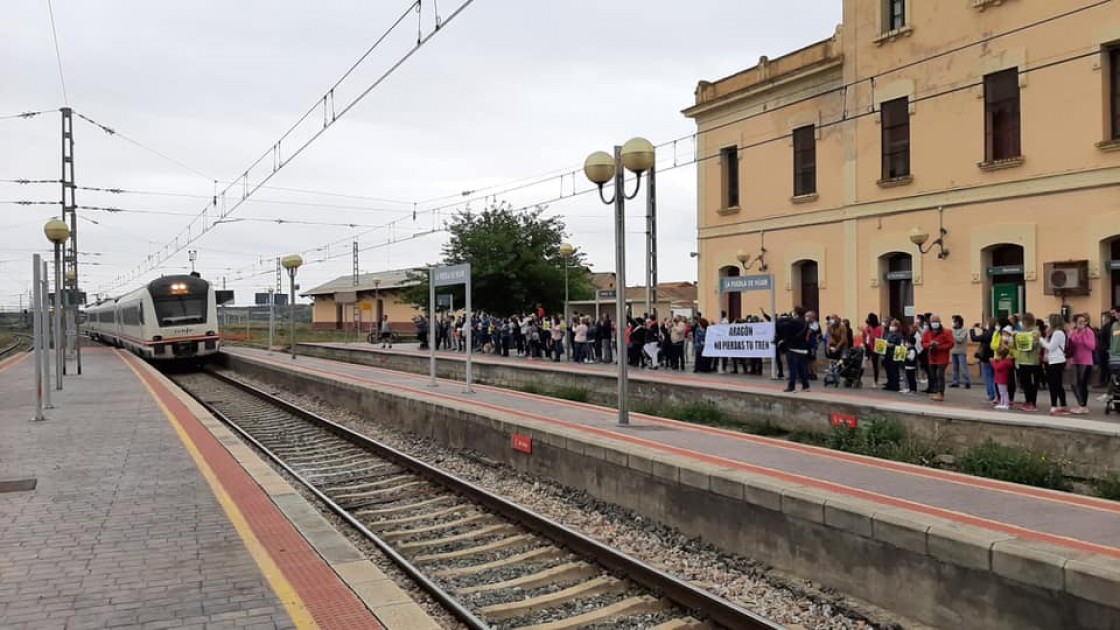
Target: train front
{"type": "Point", "coordinates": [185, 322]}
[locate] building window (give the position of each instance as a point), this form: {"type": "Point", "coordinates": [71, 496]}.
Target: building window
{"type": "Point", "coordinates": [895, 116]}
{"type": "Point", "coordinates": [729, 158]}
{"type": "Point", "coordinates": [804, 161]}
{"type": "Point", "coordinates": [894, 15]}
{"type": "Point", "coordinates": [1001, 116]}
{"type": "Point", "coordinates": [1114, 91]}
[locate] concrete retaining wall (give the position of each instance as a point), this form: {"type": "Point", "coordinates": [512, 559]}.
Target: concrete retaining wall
{"type": "Point", "coordinates": [932, 570]}
{"type": "Point", "coordinates": [1089, 453]}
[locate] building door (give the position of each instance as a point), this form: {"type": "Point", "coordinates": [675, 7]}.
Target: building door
{"type": "Point", "coordinates": [808, 287]}
{"type": "Point", "coordinates": [1006, 280]}
{"type": "Point", "coordinates": [732, 303]}
{"type": "Point", "coordinates": [899, 278]}
{"type": "Point", "coordinates": [1114, 272]}
{"type": "Point", "coordinates": [338, 316]}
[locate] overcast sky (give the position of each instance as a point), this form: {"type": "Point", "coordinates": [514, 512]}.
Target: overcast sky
{"type": "Point", "coordinates": [510, 91]}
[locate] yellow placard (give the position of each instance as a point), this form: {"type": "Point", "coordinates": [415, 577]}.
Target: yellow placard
{"type": "Point", "coordinates": [880, 346]}
{"type": "Point", "coordinates": [1024, 341]}
{"type": "Point", "coordinates": [900, 354]}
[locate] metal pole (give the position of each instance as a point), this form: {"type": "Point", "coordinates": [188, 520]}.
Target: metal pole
{"type": "Point", "coordinates": [292, 311]}
{"type": "Point", "coordinates": [774, 319]}
{"type": "Point", "coordinates": [271, 317]}
{"type": "Point", "coordinates": [620, 286]}
{"type": "Point", "coordinates": [567, 315]}
{"type": "Point", "coordinates": [37, 331]}
{"type": "Point", "coordinates": [69, 210]}
{"type": "Point", "coordinates": [45, 328]}
{"type": "Point", "coordinates": [470, 332]}
{"type": "Point", "coordinates": [651, 243]}
{"type": "Point", "coordinates": [59, 342]}
{"type": "Point", "coordinates": [431, 325]}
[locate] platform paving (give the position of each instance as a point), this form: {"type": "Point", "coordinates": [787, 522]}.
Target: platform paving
{"type": "Point", "coordinates": [147, 512]}
{"type": "Point", "coordinates": [1073, 521]}
{"type": "Point", "coordinates": [122, 529]}
{"type": "Point", "coordinates": [959, 401]}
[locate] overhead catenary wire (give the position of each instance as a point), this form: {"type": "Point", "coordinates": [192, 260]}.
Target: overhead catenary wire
{"type": "Point", "coordinates": [112, 131]}
{"type": "Point", "coordinates": [191, 233]}
{"type": "Point", "coordinates": [58, 54]}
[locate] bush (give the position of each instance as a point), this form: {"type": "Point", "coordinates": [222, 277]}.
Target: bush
{"type": "Point", "coordinates": [885, 439]}
{"type": "Point", "coordinates": [1108, 487]}
{"type": "Point", "coordinates": [570, 392]}
{"type": "Point", "coordinates": [1014, 464]}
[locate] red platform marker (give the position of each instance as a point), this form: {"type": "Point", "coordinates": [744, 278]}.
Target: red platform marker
{"type": "Point", "coordinates": [523, 443]}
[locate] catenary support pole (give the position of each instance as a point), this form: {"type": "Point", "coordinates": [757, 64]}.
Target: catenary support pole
{"type": "Point", "coordinates": [37, 331]}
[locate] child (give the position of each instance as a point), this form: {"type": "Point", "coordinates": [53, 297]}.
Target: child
{"type": "Point", "coordinates": [1002, 365]}
{"type": "Point", "coordinates": [911, 364]}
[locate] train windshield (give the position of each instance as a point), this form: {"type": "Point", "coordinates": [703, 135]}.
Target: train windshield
{"type": "Point", "coordinates": [178, 310]}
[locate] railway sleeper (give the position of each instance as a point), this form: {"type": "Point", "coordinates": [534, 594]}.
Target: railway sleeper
{"type": "Point", "coordinates": [478, 518]}
{"type": "Point", "coordinates": [640, 604]}
{"type": "Point", "coordinates": [481, 532]}
{"type": "Point", "coordinates": [602, 585]}
{"type": "Point", "coordinates": [562, 573]}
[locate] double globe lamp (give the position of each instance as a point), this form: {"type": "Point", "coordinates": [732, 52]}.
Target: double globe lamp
{"type": "Point", "coordinates": [636, 156]}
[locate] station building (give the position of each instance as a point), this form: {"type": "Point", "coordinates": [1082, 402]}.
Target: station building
{"type": "Point", "coordinates": [997, 121]}
{"type": "Point", "coordinates": [342, 304]}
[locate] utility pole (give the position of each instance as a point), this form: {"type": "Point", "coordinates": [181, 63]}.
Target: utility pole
{"type": "Point", "coordinates": [357, 313]}
{"type": "Point", "coordinates": [651, 243]}
{"type": "Point", "coordinates": [70, 252]}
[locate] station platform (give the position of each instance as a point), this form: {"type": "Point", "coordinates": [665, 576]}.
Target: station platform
{"type": "Point", "coordinates": [129, 506]}
{"type": "Point", "coordinates": [957, 534]}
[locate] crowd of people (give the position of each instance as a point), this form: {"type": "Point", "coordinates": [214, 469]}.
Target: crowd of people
{"type": "Point", "coordinates": [1016, 355]}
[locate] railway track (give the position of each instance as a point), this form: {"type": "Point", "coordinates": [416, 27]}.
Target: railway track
{"type": "Point", "coordinates": [491, 563]}
{"type": "Point", "coordinates": [20, 343]}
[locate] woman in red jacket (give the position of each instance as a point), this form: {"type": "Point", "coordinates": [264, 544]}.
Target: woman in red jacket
{"type": "Point", "coordinates": [939, 341]}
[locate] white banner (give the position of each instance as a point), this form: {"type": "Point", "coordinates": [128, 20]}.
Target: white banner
{"type": "Point", "coordinates": [751, 341]}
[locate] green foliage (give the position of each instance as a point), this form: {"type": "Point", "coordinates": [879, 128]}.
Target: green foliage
{"type": "Point", "coordinates": [885, 439]}
{"type": "Point", "coordinates": [565, 392]}
{"type": "Point", "coordinates": [515, 261]}
{"type": "Point", "coordinates": [1108, 487]}
{"type": "Point", "coordinates": [1014, 464]}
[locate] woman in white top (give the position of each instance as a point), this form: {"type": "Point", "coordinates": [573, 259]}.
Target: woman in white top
{"type": "Point", "coordinates": [1055, 346]}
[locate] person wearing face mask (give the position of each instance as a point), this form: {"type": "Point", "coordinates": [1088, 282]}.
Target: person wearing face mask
{"type": "Point", "coordinates": [1028, 344]}
{"type": "Point", "coordinates": [939, 343]}
{"type": "Point", "coordinates": [893, 337]}
{"type": "Point", "coordinates": [959, 354]}
{"type": "Point", "coordinates": [814, 343]}
{"type": "Point", "coordinates": [985, 354]}
{"type": "Point", "coordinates": [1082, 346]}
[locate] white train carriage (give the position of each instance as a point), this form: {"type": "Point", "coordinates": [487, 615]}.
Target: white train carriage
{"type": "Point", "coordinates": [172, 318]}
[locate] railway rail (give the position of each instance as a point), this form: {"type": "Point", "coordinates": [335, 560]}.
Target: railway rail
{"type": "Point", "coordinates": [20, 343]}
{"type": "Point", "coordinates": [490, 562]}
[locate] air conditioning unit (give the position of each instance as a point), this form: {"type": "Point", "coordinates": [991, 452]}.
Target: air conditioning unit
{"type": "Point", "coordinates": [1067, 278]}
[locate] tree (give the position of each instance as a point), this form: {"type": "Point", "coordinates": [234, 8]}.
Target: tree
{"type": "Point", "coordinates": [515, 262]}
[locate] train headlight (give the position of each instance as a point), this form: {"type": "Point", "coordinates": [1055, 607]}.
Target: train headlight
{"type": "Point", "coordinates": [179, 288]}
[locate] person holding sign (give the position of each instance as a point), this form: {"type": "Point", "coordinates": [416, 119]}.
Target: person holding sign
{"type": "Point", "coordinates": [939, 341]}
{"type": "Point", "coordinates": [886, 348]}
{"type": "Point", "coordinates": [1028, 351]}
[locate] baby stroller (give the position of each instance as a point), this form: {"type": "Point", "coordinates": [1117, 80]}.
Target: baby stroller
{"type": "Point", "coordinates": [1113, 399]}
{"type": "Point", "coordinates": [848, 368]}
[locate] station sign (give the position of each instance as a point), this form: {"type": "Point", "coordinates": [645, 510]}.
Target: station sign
{"type": "Point", "coordinates": [451, 275]}
{"type": "Point", "coordinates": [223, 297]}
{"type": "Point", "coordinates": [1005, 270]}
{"type": "Point", "coordinates": [737, 284]}
{"type": "Point", "coordinates": [607, 294]}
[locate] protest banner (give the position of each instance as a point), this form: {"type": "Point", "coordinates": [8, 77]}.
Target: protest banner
{"type": "Point", "coordinates": [740, 341]}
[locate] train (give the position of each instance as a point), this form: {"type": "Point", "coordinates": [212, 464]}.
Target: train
{"type": "Point", "coordinates": [173, 318]}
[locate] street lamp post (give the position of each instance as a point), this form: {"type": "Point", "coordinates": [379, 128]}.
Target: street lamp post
{"type": "Point", "coordinates": [57, 232]}
{"type": "Point", "coordinates": [292, 263]}
{"type": "Point", "coordinates": [637, 156]}
{"type": "Point", "coordinates": [566, 251]}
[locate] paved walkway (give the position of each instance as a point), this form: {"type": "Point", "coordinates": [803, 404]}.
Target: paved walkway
{"type": "Point", "coordinates": [140, 518]}
{"type": "Point", "coordinates": [1077, 522]}
{"type": "Point", "coordinates": [959, 403]}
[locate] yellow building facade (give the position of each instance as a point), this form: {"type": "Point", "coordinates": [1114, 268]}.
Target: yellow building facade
{"type": "Point", "coordinates": [995, 120]}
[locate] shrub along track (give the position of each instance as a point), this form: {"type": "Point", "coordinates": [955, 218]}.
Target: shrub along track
{"type": "Point", "coordinates": [490, 562]}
